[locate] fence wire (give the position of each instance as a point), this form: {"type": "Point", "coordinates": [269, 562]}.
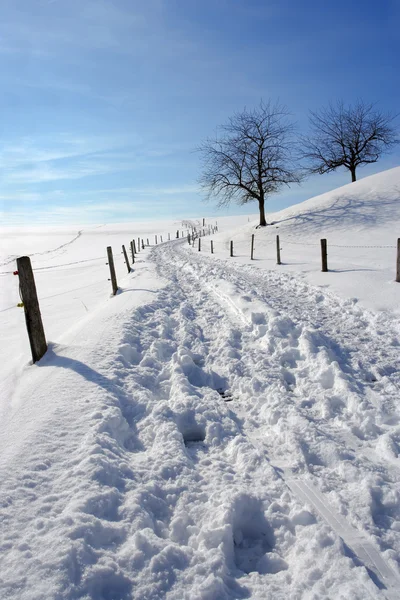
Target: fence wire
{"type": "Point", "coordinates": [283, 240]}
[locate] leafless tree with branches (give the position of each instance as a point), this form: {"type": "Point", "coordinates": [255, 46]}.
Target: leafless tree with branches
{"type": "Point", "coordinates": [250, 158]}
{"type": "Point", "coordinates": [347, 137]}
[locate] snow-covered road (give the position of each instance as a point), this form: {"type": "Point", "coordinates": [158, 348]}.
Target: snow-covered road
{"type": "Point", "coordinates": [236, 435]}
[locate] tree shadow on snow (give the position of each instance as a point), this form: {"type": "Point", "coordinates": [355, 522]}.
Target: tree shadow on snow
{"type": "Point", "coordinates": [347, 210]}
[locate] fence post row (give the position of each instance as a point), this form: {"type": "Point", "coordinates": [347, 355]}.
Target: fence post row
{"type": "Point", "coordinates": [126, 259]}
{"type": "Point", "coordinates": [278, 251]}
{"type": "Point", "coordinates": [33, 318]}
{"type": "Point", "coordinates": [324, 256]}
{"type": "Point", "coordinates": [252, 247]}
{"type": "Point", "coordinates": [112, 270]}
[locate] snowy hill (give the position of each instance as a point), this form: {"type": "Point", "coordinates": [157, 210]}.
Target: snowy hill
{"type": "Point", "coordinates": [368, 205]}
{"type": "Point", "coordinates": [361, 222]}
{"type": "Point", "coordinates": [217, 430]}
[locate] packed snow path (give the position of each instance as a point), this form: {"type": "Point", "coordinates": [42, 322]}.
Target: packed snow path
{"type": "Point", "coordinates": [237, 437]}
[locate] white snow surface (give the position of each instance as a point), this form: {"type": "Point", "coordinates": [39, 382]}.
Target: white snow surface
{"type": "Point", "coordinates": [221, 428]}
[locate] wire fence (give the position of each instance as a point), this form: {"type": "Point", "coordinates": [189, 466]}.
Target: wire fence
{"type": "Point", "coordinates": [280, 243]}
{"type": "Point", "coordinates": [286, 241]}
{"type": "Point", "coordinates": [84, 281]}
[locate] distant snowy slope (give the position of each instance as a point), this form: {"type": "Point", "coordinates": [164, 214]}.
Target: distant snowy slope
{"type": "Point", "coordinates": [361, 222]}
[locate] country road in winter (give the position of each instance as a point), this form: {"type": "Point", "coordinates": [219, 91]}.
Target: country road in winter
{"type": "Point", "coordinates": [216, 431]}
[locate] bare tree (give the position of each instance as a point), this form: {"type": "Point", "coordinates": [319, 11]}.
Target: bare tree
{"type": "Point", "coordinates": [347, 137]}
{"type": "Point", "coordinates": [250, 157]}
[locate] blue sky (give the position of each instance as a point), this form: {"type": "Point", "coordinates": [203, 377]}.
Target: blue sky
{"type": "Point", "coordinates": [103, 101]}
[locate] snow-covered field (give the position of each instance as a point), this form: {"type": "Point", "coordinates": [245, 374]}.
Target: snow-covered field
{"type": "Point", "coordinates": [219, 429]}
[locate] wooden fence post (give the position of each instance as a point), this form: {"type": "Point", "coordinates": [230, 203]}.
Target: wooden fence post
{"type": "Point", "coordinates": [134, 246]}
{"type": "Point", "coordinates": [126, 259]}
{"type": "Point", "coordinates": [252, 246]}
{"type": "Point", "coordinates": [138, 245]}
{"type": "Point", "coordinates": [188, 238]}
{"type": "Point", "coordinates": [212, 247]}
{"type": "Point", "coordinates": [398, 261]}
{"type": "Point", "coordinates": [112, 270]}
{"type": "Point", "coordinates": [278, 251]}
{"type": "Point", "coordinates": [132, 252]}
{"type": "Point", "coordinates": [324, 256]}
{"type": "Point", "coordinates": [199, 244]}
{"type": "Point", "coordinates": [161, 238]}
{"type": "Point", "coordinates": [169, 237]}
{"type": "Point", "coordinates": [155, 240]}
{"type": "Point", "coordinates": [33, 318]}
{"type": "Point", "coordinates": [231, 247]}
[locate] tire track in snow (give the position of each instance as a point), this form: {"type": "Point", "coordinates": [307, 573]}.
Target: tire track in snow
{"type": "Point", "coordinates": [309, 493]}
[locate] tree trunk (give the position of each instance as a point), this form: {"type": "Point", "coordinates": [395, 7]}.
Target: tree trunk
{"type": "Point", "coordinates": [353, 174]}
{"type": "Point", "coordinates": [263, 222]}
